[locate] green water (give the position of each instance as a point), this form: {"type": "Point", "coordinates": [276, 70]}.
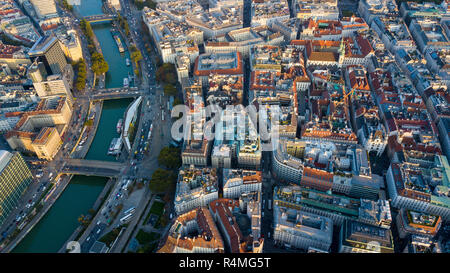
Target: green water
{"type": "Point", "coordinates": [61, 220]}
{"type": "Point", "coordinates": [87, 7]}
{"type": "Point", "coordinates": [116, 60]}
{"type": "Point", "coordinates": [113, 110]}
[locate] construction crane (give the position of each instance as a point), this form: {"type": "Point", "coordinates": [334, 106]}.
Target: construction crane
{"type": "Point", "coordinates": [345, 95]}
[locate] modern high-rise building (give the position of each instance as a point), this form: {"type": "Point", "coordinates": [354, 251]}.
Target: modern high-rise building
{"type": "Point", "coordinates": [44, 7]}
{"type": "Point", "coordinates": [52, 85]}
{"type": "Point", "coordinates": [15, 176]}
{"type": "Point", "coordinates": [48, 50]}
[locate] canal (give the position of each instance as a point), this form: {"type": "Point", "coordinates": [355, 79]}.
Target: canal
{"type": "Point", "coordinates": [61, 220]}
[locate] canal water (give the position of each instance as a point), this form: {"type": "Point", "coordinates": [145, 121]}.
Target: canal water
{"type": "Point", "coordinates": [113, 110]}
{"type": "Point", "coordinates": [49, 235]}
{"type": "Point", "coordinates": [61, 220]}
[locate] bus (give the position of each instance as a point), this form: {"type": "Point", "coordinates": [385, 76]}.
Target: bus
{"type": "Point", "coordinates": [270, 204]}
{"type": "Point", "coordinates": [126, 218]}
{"type": "Point", "coordinates": [129, 211]}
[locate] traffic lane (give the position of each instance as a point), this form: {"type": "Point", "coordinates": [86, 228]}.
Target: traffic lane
{"type": "Point", "coordinates": [94, 235]}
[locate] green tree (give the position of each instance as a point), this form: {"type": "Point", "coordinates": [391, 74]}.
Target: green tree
{"type": "Point", "coordinates": [167, 73]}
{"type": "Point", "coordinates": [162, 180]}
{"type": "Point", "coordinates": [99, 65]}
{"type": "Point", "coordinates": [136, 54]}
{"type": "Point", "coordinates": [80, 68]}
{"type": "Point", "coordinates": [140, 4]}
{"type": "Point", "coordinates": [84, 220]}
{"type": "Point", "coordinates": [170, 90]}
{"type": "Point", "coordinates": [177, 101]}
{"type": "Point", "coordinates": [170, 157]}
{"type": "Point", "coordinates": [86, 28]}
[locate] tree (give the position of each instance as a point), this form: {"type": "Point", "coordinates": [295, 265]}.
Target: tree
{"type": "Point", "coordinates": [140, 4]}
{"type": "Point", "coordinates": [161, 180]}
{"type": "Point", "coordinates": [99, 65]}
{"type": "Point", "coordinates": [86, 28]}
{"type": "Point", "coordinates": [167, 73]}
{"type": "Point", "coordinates": [84, 220]}
{"type": "Point", "coordinates": [177, 101]}
{"type": "Point", "coordinates": [170, 157]}
{"type": "Point", "coordinates": [136, 54]}
{"type": "Point", "coordinates": [80, 67]}
{"type": "Point", "coordinates": [170, 90]}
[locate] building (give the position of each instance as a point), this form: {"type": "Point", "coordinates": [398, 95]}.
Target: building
{"type": "Point", "coordinates": [15, 176]}
{"type": "Point", "coordinates": [222, 212]}
{"type": "Point", "coordinates": [410, 187]}
{"type": "Point", "coordinates": [197, 221]}
{"type": "Point", "coordinates": [287, 27]}
{"type": "Point", "coordinates": [337, 207]}
{"type": "Point", "coordinates": [417, 223]}
{"type": "Point", "coordinates": [316, 9]}
{"type": "Point", "coordinates": [47, 143]}
{"type": "Point", "coordinates": [356, 237]}
{"type": "Point", "coordinates": [221, 156]}
{"type": "Point", "coordinates": [299, 229]}
{"type": "Point", "coordinates": [115, 4]}
{"type": "Point", "coordinates": [39, 131]}
{"type": "Point", "coordinates": [44, 8]}
{"type": "Point", "coordinates": [249, 153]}
{"type": "Point", "coordinates": [237, 181]}
{"type": "Point", "coordinates": [13, 56]}
{"type": "Point", "coordinates": [217, 21]}
{"type": "Point", "coordinates": [48, 51]}
{"type": "Point", "coordinates": [209, 64]}
{"type": "Point", "coordinates": [50, 85]}
{"type": "Point", "coordinates": [266, 12]}
{"type": "Point", "coordinates": [429, 34]}
{"type": "Point", "coordinates": [70, 43]}
{"type": "Point", "coordinates": [195, 188]}
{"type": "Point", "coordinates": [286, 163]}
{"type": "Point", "coordinates": [195, 152]}
{"type": "Point", "coordinates": [243, 39]}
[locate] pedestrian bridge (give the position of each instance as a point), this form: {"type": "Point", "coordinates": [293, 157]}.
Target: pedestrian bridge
{"type": "Point", "coordinates": [93, 167]}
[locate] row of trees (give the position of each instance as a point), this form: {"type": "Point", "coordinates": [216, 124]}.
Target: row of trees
{"type": "Point", "coordinates": [80, 68]}
{"type": "Point", "coordinates": [99, 65]}
{"type": "Point", "coordinates": [123, 23]}
{"type": "Point", "coordinates": [136, 56]}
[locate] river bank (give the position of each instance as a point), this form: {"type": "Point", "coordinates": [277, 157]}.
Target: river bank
{"type": "Point", "coordinates": [78, 194]}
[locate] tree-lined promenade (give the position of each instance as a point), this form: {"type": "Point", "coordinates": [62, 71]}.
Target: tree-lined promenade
{"type": "Point", "coordinates": [99, 65]}
{"type": "Point", "coordinates": [80, 68]}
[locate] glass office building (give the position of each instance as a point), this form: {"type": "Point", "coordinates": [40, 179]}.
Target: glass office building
{"type": "Point", "coordinates": [15, 176]}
